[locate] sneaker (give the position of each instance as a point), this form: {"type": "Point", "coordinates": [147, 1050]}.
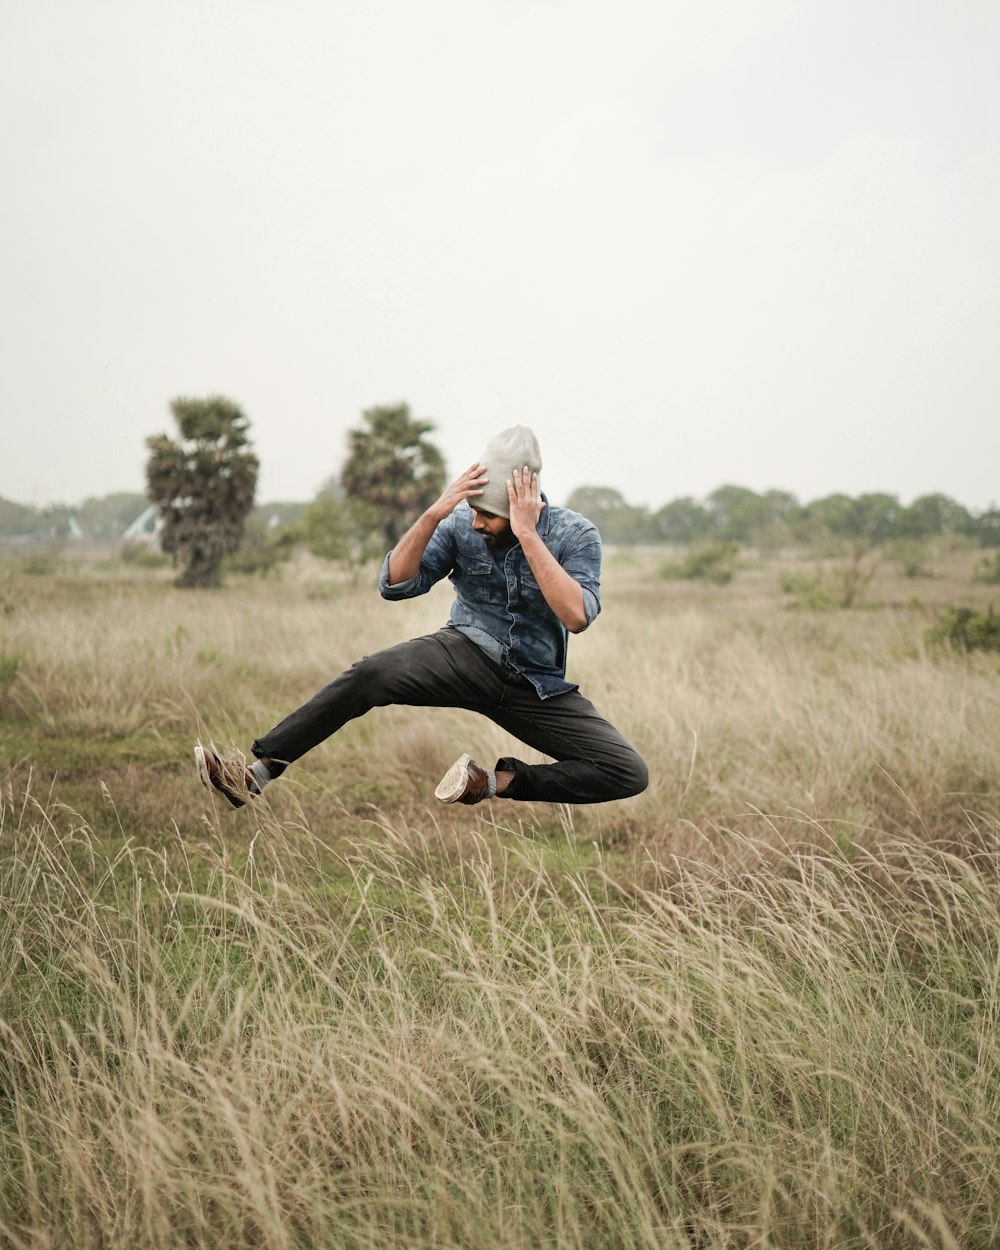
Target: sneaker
{"type": "Point", "coordinates": [464, 782]}
{"type": "Point", "coordinates": [232, 778]}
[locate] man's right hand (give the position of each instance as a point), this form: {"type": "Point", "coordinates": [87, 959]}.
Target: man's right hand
{"type": "Point", "coordinates": [404, 559]}
{"type": "Point", "coordinates": [465, 486]}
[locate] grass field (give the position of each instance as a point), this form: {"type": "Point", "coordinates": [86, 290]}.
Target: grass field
{"type": "Point", "coordinates": [756, 1006]}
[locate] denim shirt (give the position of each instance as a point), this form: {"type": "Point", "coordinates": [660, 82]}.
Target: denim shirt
{"type": "Point", "coordinates": [498, 604]}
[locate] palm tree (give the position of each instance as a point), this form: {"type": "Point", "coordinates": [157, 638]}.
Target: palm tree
{"type": "Point", "coordinates": [393, 468]}
{"type": "Point", "coordinates": [203, 484]}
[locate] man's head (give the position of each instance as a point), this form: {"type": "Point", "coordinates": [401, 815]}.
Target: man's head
{"type": "Point", "coordinates": [511, 449]}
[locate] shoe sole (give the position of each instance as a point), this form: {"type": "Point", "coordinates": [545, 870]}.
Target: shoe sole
{"type": "Point", "coordinates": [206, 778]}
{"type": "Point", "coordinates": [452, 785]}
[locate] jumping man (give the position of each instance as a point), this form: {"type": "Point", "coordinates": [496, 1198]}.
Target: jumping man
{"type": "Point", "coordinates": [526, 574]}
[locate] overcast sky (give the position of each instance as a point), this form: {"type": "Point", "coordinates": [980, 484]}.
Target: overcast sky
{"type": "Point", "coordinates": [689, 242]}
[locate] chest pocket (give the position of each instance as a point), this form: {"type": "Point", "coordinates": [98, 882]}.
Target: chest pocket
{"type": "Point", "coordinates": [531, 593]}
{"type": "Point", "coordinates": [475, 581]}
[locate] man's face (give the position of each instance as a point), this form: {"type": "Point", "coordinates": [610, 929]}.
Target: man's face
{"type": "Point", "coordinates": [491, 526]}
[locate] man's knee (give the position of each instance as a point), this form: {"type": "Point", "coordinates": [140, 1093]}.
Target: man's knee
{"type": "Point", "coordinates": [631, 775]}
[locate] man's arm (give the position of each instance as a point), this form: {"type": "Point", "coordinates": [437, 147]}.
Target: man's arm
{"type": "Point", "coordinates": [562, 593]}
{"type": "Point", "coordinates": [405, 557]}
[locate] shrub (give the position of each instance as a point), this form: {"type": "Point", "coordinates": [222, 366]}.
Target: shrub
{"type": "Point", "coordinates": [41, 564]}
{"type": "Point", "coordinates": [911, 556]}
{"type": "Point", "coordinates": [988, 570]}
{"type": "Point", "coordinates": [263, 555]}
{"type": "Point", "coordinates": [143, 556]}
{"type": "Point", "coordinates": [713, 563]}
{"type": "Point", "coordinates": [966, 630]}
{"type": "Point", "coordinates": [853, 575]}
{"type": "Point", "coordinates": [809, 592]}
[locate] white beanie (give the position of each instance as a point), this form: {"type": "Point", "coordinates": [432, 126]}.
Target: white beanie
{"type": "Point", "coordinates": [511, 449]}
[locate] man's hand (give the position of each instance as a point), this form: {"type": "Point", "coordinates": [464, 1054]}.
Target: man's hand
{"type": "Point", "coordinates": [465, 486]}
{"type": "Point", "coordinates": [560, 591]}
{"type": "Point", "coordinates": [404, 559]}
{"type": "Point", "coordinates": [525, 502]}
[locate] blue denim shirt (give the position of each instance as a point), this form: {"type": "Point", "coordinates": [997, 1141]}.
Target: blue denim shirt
{"type": "Point", "coordinates": [498, 604]}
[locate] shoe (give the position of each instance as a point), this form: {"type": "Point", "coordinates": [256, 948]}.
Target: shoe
{"type": "Point", "coordinates": [464, 782]}
{"type": "Point", "coordinates": [233, 779]}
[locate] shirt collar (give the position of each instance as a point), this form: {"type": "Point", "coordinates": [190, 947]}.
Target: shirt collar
{"type": "Point", "coordinates": [543, 520]}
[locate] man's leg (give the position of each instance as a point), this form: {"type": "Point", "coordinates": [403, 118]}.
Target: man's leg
{"type": "Point", "coordinates": [595, 762]}
{"type": "Point", "coordinates": [432, 671]}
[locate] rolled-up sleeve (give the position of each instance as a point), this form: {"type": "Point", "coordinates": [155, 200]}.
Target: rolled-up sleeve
{"type": "Point", "coordinates": [437, 561]}
{"type": "Point", "coordinates": [583, 563]}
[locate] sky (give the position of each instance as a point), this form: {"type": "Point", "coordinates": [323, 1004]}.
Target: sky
{"type": "Point", "coordinates": [688, 242]}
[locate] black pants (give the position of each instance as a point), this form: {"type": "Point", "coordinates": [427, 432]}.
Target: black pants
{"type": "Point", "coordinates": [594, 762]}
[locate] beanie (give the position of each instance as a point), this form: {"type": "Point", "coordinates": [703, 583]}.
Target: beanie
{"type": "Point", "coordinates": [511, 449]}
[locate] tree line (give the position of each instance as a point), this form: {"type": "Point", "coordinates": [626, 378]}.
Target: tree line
{"type": "Point", "coordinates": [776, 518]}
{"type": "Point", "coordinates": [202, 481]}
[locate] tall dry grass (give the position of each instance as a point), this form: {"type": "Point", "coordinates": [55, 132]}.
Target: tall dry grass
{"type": "Point", "coordinates": [276, 1050]}
{"type": "Point", "coordinates": [756, 1006]}
{"type": "Point", "coordinates": [838, 719]}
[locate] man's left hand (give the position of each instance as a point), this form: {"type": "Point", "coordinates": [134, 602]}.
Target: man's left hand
{"type": "Point", "coordinates": [525, 502]}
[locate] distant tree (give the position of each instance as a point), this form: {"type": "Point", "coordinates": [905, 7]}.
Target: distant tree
{"type": "Point", "coordinates": [933, 515]}
{"type": "Point", "coordinates": [393, 468]}
{"type": "Point", "coordinates": [278, 513]}
{"type": "Point", "coordinates": [682, 521]}
{"type": "Point", "coordinates": [874, 517]}
{"type": "Point", "coordinates": [106, 517]}
{"type": "Point", "coordinates": [595, 502]}
{"type": "Point", "coordinates": [334, 527]}
{"type": "Point", "coordinates": [57, 521]}
{"type": "Point", "coordinates": [780, 513]}
{"type": "Point", "coordinates": [737, 513]}
{"type": "Point", "coordinates": [631, 525]}
{"type": "Point", "coordinates": [867, 519]}
{"type": "Point", "coordinates": [861, 526]}
{"type": "Point", "coordinates": [783, 508]}
{"type": "Point", "coordinates": [830, 513]}
{"type": "Point", "coordinates": [203, 484]}
{"type": "Point", "coordinates": [18, 519]}
{"type": "Point", "coordinates": [617, 520]}
{"type": "Point", "coordinates": [985, 528]}
{"type": "Point", "coordinates": [323, 528]}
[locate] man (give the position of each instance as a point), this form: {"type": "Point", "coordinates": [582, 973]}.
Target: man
{"type": "Point", "coordinates": [525, 574]}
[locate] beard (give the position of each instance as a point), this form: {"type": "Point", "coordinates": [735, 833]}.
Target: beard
{"type": "Point", "coordinates": [503, 539]}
